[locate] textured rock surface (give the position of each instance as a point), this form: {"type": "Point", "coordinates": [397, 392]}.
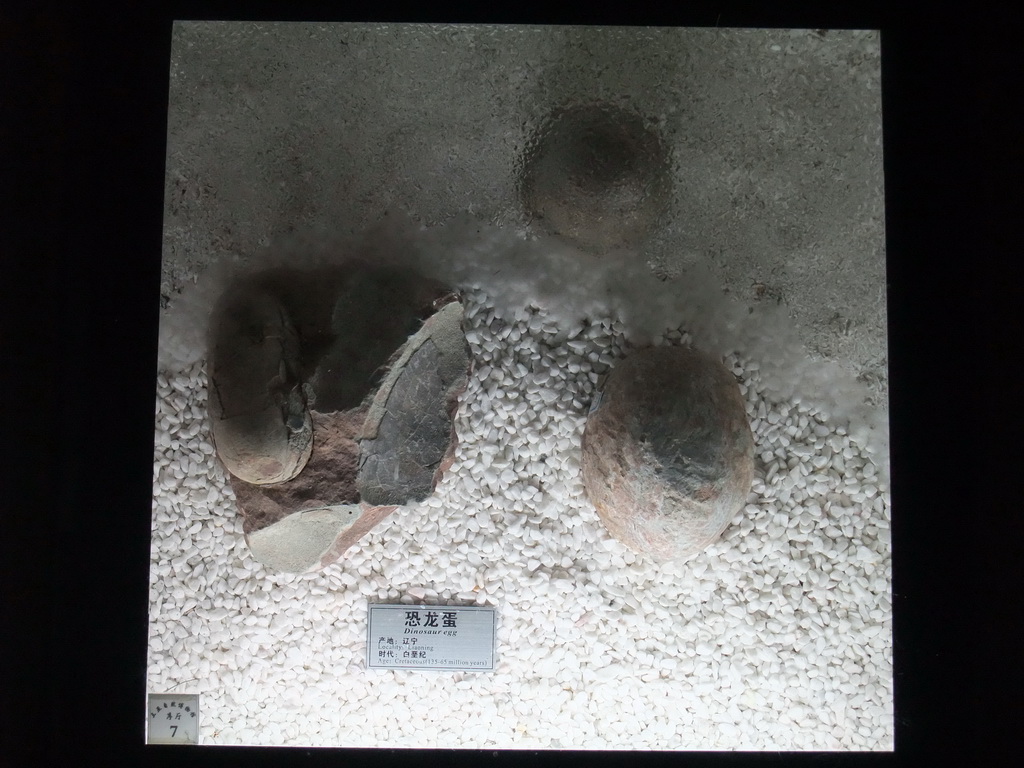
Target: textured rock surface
{"type": "Point", "coordinates": [297, 542]}
{"type": "Point", "coordinates": [350, 319]}
{"type": "Point", "coordinates": [668, 453]}
{"type": "Point", "coordinates": [345, 352]}
{"type": "Point", "coordinates": [313, 538]}
{"type": "Point", "coordinates": [598, 175]}
{"type": "Point", "coordinates": [328, 479]}
{"type": "Point", "coordinates": [408, 438]}
{"type": "Point", "coordinates": [261, 427]}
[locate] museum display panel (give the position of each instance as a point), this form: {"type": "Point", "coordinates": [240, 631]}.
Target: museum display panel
{"type": "Point", "coordinates": [522, 387]}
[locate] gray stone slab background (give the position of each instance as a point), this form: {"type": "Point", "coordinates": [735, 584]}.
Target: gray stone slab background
{"type": "Point", "coordinates": [775, 137]}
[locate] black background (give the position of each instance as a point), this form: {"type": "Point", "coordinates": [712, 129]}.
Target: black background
{"type": "Point", "coordinates": [83, 108]}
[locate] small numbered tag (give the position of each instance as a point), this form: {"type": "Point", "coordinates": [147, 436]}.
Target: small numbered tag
{"type": "Point", "coordinates": [430, 637]}
{"type": "Point", "coordinates": [173, 718]}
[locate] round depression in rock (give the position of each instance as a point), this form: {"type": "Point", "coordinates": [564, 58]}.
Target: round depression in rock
{"type": "Point", "coordinates": [668, 455]}
{"type": "Point", "coordinates": [597, 175]}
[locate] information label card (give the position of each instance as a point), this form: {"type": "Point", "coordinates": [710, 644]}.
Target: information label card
{"type": "Point", "coordinates": [430, 637]}
{"type": "Point", "coordinates": [173, 718]}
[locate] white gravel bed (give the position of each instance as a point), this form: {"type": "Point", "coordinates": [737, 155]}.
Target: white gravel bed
{"type": "Point", "coordinates": [777, 637]}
